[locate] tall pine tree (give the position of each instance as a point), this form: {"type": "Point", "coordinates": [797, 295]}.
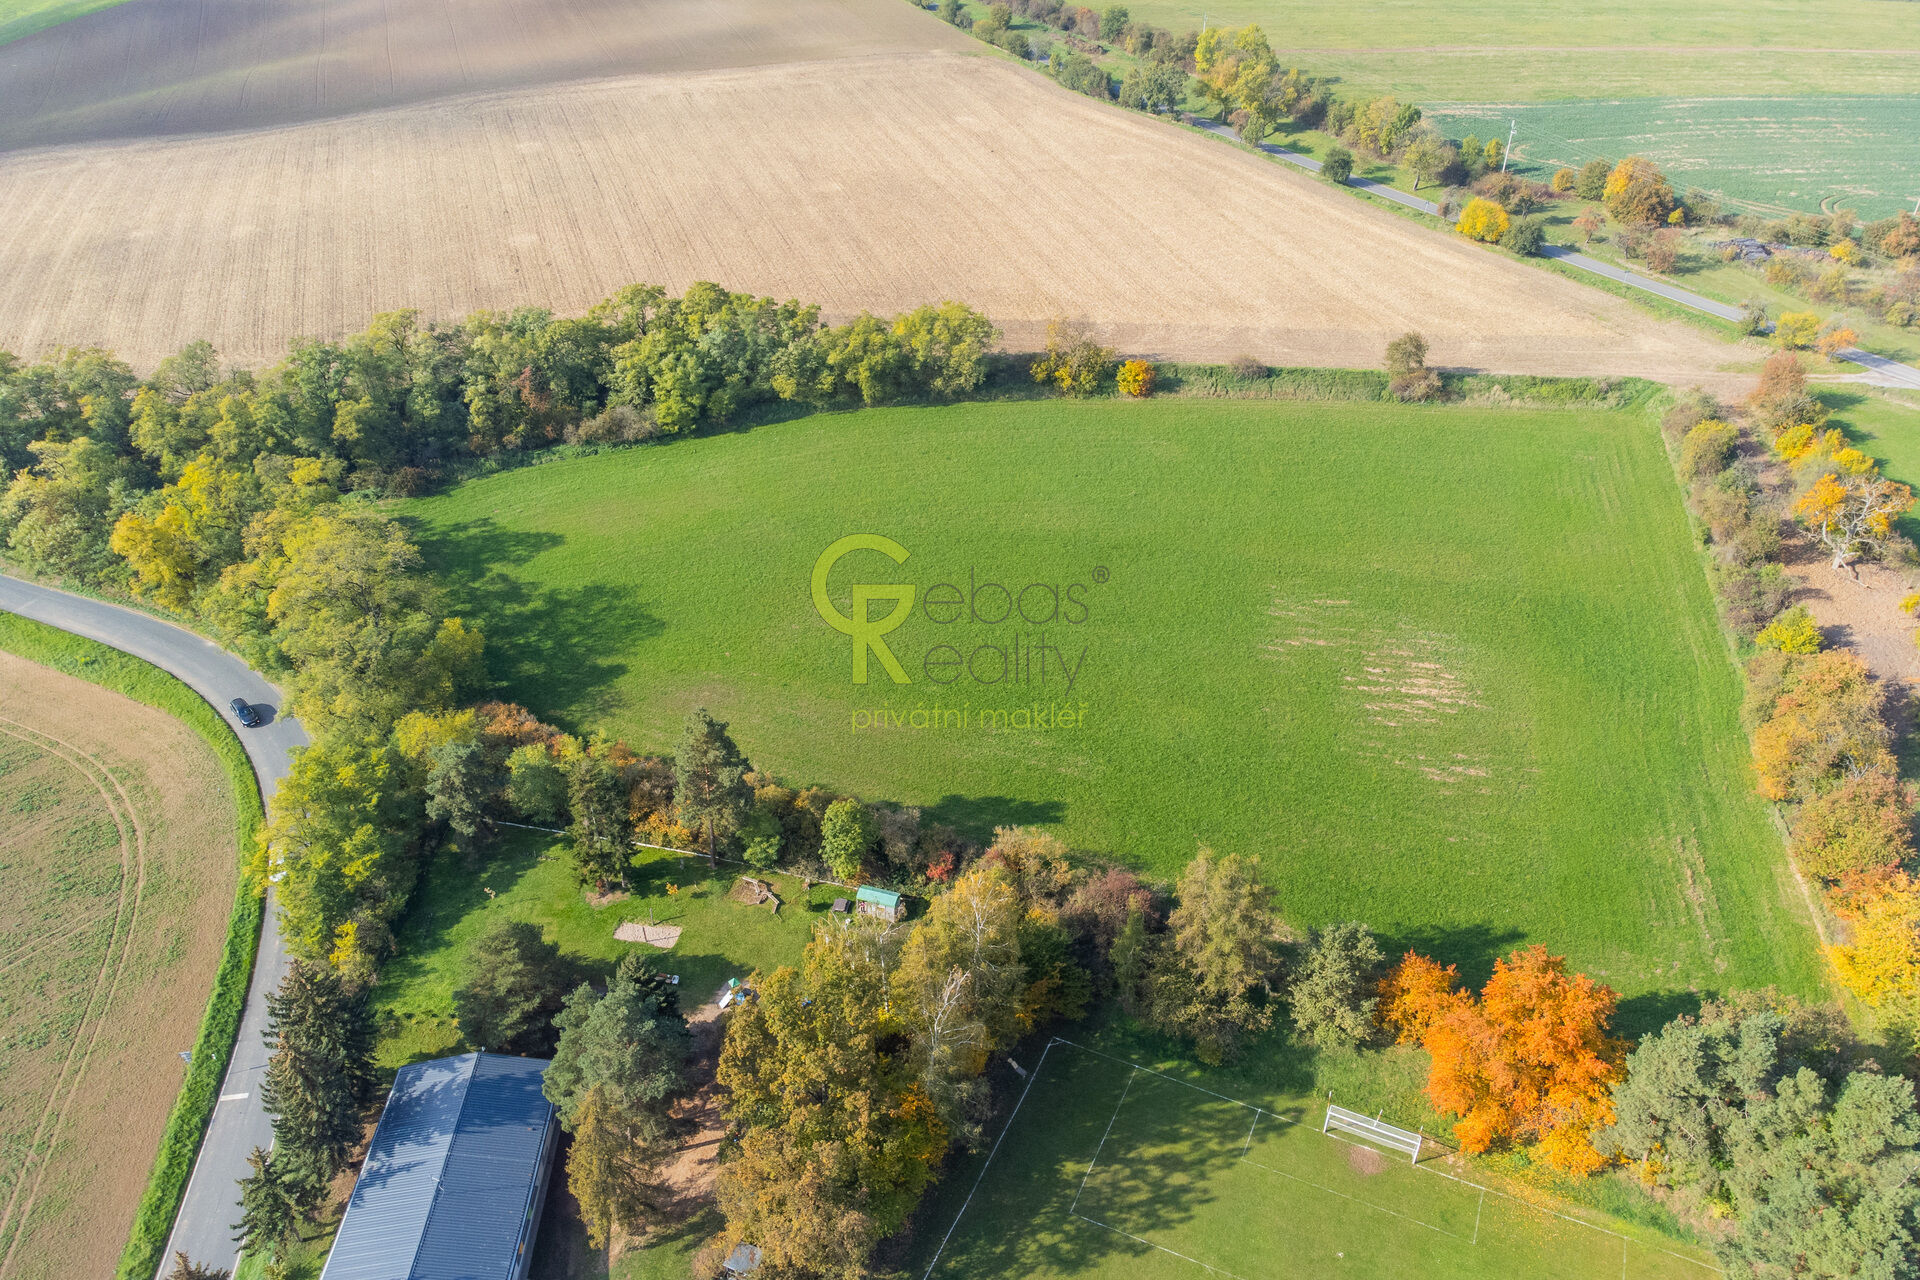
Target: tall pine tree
{"type": "Point", "coordinates": [270, 1207]}
{"type": "Point", "coordinates": [709, 780]}
{"type": "Point", "coordinates": [320, 1075]}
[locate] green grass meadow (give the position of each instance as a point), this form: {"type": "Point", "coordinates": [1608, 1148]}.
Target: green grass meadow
{"type": "Point", "coordinates": [1768, 154]}
{"type": "Point", "coordinates": [20, 18]}
{"type": "Point", "coordinates": [1452, 671]}
{"type": "Point", "coordinates": [1454, 49]}
{"type": "Point", "coordinates": [1111, 1170]}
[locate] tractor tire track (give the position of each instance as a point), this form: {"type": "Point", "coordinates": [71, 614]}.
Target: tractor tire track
{"type": "Point", "coordinates": [15, 1217]}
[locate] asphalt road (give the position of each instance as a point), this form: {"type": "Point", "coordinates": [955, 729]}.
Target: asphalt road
{"type": "Point", "coordinates": [204, 1228]}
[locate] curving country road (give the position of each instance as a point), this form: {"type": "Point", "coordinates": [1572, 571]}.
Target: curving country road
{"type": "Point", "coordinates": [204, 1227]}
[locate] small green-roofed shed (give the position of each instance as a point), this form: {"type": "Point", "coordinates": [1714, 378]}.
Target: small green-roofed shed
{"type": "Point", "coordinates": [883, 903]}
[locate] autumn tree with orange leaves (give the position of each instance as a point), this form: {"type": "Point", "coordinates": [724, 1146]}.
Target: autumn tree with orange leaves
{"type": "Point", "coordinates": [1529, 1061]}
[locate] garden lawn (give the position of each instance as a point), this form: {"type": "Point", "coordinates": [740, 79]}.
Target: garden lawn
{"type": "Point", "coordinates": [1111, 1169]}
{"type": "Point", "coordinates": [531, 877]}
{"type": "Point", "coordinates": [1453, 671]}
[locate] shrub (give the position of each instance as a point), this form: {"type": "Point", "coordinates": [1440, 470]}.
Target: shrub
{"type": "Point", "coordinates": [1835, 339]}
{"type": "Point", "coordinates": [1793, 631]}
{"type": "Point", "coordinates": [1408, 377]}
{"type": "Point", "coordinates": [1524, 237]}
{"type": "Point", "coordinates": [1862, 826]}
{"type": "Point", "coordinates": [1796, 330]}
{"type": "Point", "coordinates": [1825, 724]}
{"type": "Point", "coordinates": [1247, 368]}
{"type": "Point", "coordinates": [1707, 449]}
{"type": "Point", "coordinates": [1483, 220]}
{"type": "Point", "coordinates": [1591, 182]}
{"type": "Point", "coordinates": [1663, 252]}
{"type": "Point", "coordinates": [1753, 317]}
{"type": "Point", "coordinates": [1135, 379]}
{"type": "Point", "coordinates": [1563, 180]}
{"type": "Point", "coordinates": [1338, 165]}
{"type": "Point", "coordinates": [1073, 360]}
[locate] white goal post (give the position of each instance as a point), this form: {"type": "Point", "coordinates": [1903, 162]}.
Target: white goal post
{"type": "Point", "coordinates": [1373, 1129]}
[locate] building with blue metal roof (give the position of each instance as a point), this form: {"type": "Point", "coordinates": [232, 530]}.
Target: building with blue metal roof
{"type": "Point", "coordinates": [456, 1176]}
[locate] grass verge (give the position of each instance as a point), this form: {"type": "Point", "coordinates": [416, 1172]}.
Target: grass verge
{"type": "Point", "coordinates": [143, 682]}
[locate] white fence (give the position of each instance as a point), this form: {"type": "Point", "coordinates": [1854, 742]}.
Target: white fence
{"type": "Point", "coordinates": [1373, 1130]}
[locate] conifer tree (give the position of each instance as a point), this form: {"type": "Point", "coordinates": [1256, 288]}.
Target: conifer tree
{"type": "Point", "coordinates": [270, 1208]}
{"type": "Point", "coordinates": [320, 1075]}
{"type": "Point", "coordinates": [709, 779]}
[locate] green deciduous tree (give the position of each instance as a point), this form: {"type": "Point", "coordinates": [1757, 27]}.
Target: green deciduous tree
{"type": "Point", "coordinates": [1332, 995]}
{"type": "Point", "coordinates": [353, 609]}
{"type": "Point", "coordinates": [536, 783]}
{"type": "Point", "coordinates": [1216, 979]}
{"type": "Point", "coordinates": [340, 843]}
{"type": "Point", "coordinates": [847, 834]}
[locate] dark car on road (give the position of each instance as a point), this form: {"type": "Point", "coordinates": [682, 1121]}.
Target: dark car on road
{"type": "Point", "coordinates": [244, 712]}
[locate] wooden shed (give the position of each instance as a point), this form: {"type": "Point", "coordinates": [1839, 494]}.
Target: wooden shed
{"type": "Point", "coordinates": [883, 904]}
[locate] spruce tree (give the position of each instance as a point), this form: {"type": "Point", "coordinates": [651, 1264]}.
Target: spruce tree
{"type": "Point", "coordinates": [709, 780]}
{"type": "Point", "coordinates": [320, 1075]}
{"type": "Point", "coordinates": [185, 1268]}
{"type": "Point", "coordinates": [270, 1207]}
{"type": "Point", "coordinates": [513, 984]}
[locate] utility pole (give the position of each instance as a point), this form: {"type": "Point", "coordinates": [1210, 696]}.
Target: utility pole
{"type": "Point", "coordinates": [1916, 206]}
{"type": "Point", "coordinates": [1512, 127]}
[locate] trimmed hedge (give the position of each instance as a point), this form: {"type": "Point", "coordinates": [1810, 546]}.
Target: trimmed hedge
{"type": "Point", "coordinates": [187, 1122]}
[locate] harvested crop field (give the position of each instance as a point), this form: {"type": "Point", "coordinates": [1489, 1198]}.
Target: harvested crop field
{"type": "Point", "coordinates": [877, 181]}
{"type": "Point", "coordinates": [117, 868]}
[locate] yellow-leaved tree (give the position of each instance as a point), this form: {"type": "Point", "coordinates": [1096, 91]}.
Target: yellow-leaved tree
{"type": "Point", "coordinates": [1483, 220]}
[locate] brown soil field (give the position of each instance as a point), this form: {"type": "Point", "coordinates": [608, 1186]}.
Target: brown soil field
{"type": "Point", "coordinates": [198, 66]}
{"type": "Point", "coordinates": [117, 870]}
{"type": "Point", "coordinates": [872, 180]}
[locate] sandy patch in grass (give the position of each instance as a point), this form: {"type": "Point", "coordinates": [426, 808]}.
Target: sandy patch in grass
{"type": "Point", "coordinates": [662, 936]}
{"type": "Point", "coordinates": [117, 869]}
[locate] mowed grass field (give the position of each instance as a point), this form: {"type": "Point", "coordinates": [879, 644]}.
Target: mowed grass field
{"type": "Point", "coordinates": [1453, 671]}
{"type": "Point", "coordinates": [117, 870]}
{"type": "Point", "coordinates": [1767, 154]}
{"type": "Point", "coordinates": [1110, 1170]}
{"type": "Point", "coordinates": [1438, 49]}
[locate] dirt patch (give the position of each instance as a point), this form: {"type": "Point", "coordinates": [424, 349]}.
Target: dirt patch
{"type": "Point", "coordinates": [689, 1177]}
{"type": "Point", "coordinates": [1365, 1161]}
{"type": "Point", "coordinates": [1858, 609]}
{"type": "Point", "coordinates": [599, 900]}
{"type": "Point", "coordinates": [662, 936]}
{"type": "Point", "coordinates": [557, 195]}
{"type": "Point", "coordinates": [117, 871]}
